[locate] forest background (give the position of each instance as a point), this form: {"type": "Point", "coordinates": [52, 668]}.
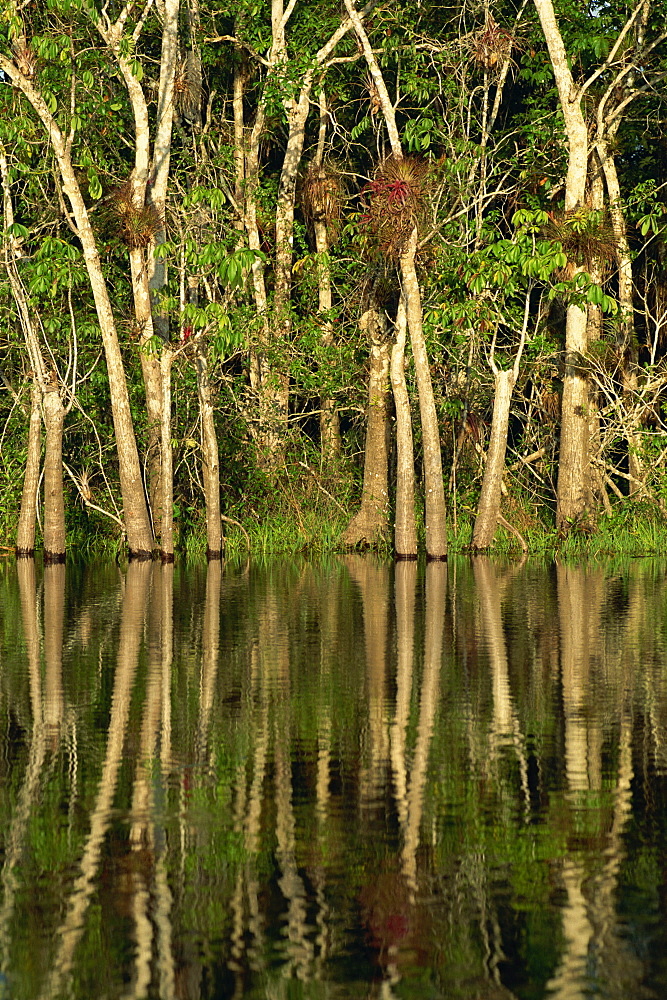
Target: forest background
{"type": "Point", "coordinates": [328, 275]}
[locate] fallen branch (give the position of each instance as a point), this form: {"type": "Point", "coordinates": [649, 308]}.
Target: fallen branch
{"type": "Point", "coordinates": [86, 501]}
{"type": "Point", "coordinates": [505, 523]}
{"type": "Point", "coordinates": [527, 459]}
{"type": "Point", "coordinates": [230, 520]}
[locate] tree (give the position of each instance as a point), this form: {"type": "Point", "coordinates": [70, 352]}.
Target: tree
{"type": "Point", "coordinates": [137, 524]}
{"type": "Point", "coordinates": [436, 534]}
{"type": "Point", "coordinates": [574, 462]}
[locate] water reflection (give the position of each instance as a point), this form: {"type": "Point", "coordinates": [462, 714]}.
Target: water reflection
{"type": "Point", "coordinates": [346, 780]}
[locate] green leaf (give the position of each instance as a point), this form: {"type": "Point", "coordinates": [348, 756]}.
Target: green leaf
{"type": "Point", "coordinates": [94, 185]}
{"type": "Point", "coordinates": [137, 69]}
{"type": "Point", "coordinates": [595, 295]}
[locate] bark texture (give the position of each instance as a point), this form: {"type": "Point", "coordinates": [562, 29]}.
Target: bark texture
{"type": "Point", "coordinates": [330, 443]}
{"type": "Point", "coordinates": [627, 345]}
{"type": "Point", "coordinates": [573, 467]}
{"type": "Point", "coordinates": [210, 461]}
{"type": "Point", "coordinates": [370, 525]}
{"type": "Point", "coordinates": [54, 505]}
{"type": "Point", "coordinates": [405, 530]}
{"type": "Point", "coordinates": [167, 532]}
{"type": "Point", "coordinates": [25, 535]}
{"type": "Point", "coordinates": [489, 502]}
{"type": "Point", "coordinates": [434, 487]}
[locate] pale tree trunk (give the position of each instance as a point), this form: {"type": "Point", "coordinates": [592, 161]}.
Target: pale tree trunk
{"type": "Point", "coordinates": [54, 506]}
{"type": "Point", "coordinates": [488, 511]}
{"type": "Point", "coordinates": [167, 532]}
{"type": "Point", "coordinates": [150, 370]}
{"type": "Point", "coordinates": [277, 381]}
{"type": "Point", "coordinates": [329, 422]}
{"type": "Point", "coordinates": [137, 524]}
{"type": "Point", "coordinates": [25, 535]}
{"type": "Point", "coordinates": [46, 383]}
{"type": "Point", "coordinates": [209, 444]}
{"type": "Point", "coordinates": [405, 530]}
{"type": "Point", "coordinates": [157, 197]}
{"type": "Point", "coordinates": [240, 63]}
{"type": "Point", "coordinates": [573, 466]}
{"type": "Point", "coordinates": [626, 337]}
{"type": "Point", "coordinates": [596, 487]}
{"type": "Point", "coordinates": [210, 460]}
{"type": "Point", "coordinates": [434, 487]}
{"type": "Point", "coordinates": [489, 501]}
{"type": "Point", "coordinates": [139, 270]}
{"type": "Point", "coordinates": [270, 391]}
{"type": "Point", "coordinates": [150, 176]}
{"type": "Point", "coordinates": [436, 522]}
{"type": "Point", "coordinates": [370, 524]}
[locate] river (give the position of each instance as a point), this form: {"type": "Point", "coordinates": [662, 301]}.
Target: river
{"type": "Point", "coordinates": [335, 779]}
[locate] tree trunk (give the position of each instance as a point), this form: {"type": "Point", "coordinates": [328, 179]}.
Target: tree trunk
{"type": "Point", "coordinates": [434, 487]}
{"type": "Point", "coordinates": [54, 506]}
{"type": "Point", "coordinates": [369, 526]}
{"type": "Point", "coordinates": [210, 460]}
{"type": "Point", "coordinates": [155, 269]}
{"type": "Point", "coordinates": [25, 535]}
{"type": "Point", "coordinates": [149, 359]}
{"type": "Point", "coordinates": [436, 522]}
{"type": "Point", "coordinates": [329, 422]}
{"type": "Point", "coordinates": [627, 344]}
{"type": "Point", "coordinates": [405, 530]}
{"type": "Point", "coordinates": [596, 487]}
{"type": "Point", "coordinates": [167, 532]}
{"type": "Point", "coordinates": [573, 466]}
{"type": "Point", "coordinates": [489, 501]}
{"type": "Point", "coordinates": [137, 523]}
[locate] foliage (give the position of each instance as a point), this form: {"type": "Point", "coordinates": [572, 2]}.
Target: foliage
{"type": "Point", "coordinates": [482, 181]}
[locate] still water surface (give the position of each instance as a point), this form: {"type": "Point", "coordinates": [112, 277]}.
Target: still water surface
{"type": "Point", "coordinates": [330, 781]}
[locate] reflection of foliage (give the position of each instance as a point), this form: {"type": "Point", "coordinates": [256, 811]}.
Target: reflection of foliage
{"type": "Point", "coordinates": [397, 202]}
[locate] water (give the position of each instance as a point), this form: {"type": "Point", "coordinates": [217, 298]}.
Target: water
{"type": "Point", "coordinates": [332, 781]}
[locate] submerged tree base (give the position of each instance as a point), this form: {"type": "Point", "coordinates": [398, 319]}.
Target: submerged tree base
{"type": "Point", "coordinates": [54, 558]}
{"type": "Point", "coordinates": [140, 555]}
